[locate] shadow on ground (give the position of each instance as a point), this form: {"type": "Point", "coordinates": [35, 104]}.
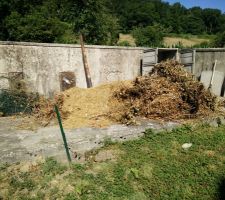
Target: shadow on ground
{"type": "Point", "coordinates": [221, 189]}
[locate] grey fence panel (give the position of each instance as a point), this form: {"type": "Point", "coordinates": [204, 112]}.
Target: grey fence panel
{"type": "Point", "coordinates": [147, 69]}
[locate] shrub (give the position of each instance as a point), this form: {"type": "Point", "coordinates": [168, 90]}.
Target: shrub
{"type": "Point", "coordinates": [220, 40]}
{"type": "Point", "coordinates": [12, 102]}
{"type": "Point", "coordinates": [151, 36]}
{"type": "Point", "coordinates": [124, 43]}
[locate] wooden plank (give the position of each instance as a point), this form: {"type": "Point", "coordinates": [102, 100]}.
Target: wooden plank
{"type": "Point", "coordinates": [85, 63]}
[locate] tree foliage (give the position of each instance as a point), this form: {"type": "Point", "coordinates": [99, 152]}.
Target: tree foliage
{"type": "Point", "coordinates": [220, 40]}
{"type": "Point", "coordinates": [100, 21]}
{"type": "Point", "coordinates": [95, 22]}
{"type": "Point", "coordinates": [151, 36]}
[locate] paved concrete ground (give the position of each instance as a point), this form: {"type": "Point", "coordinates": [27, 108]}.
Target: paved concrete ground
{"type": "Point", "coordinates": [24, 145]}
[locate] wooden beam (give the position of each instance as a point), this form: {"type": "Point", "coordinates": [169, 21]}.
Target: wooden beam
{"type": "Point", "coordinates": [85, 63]}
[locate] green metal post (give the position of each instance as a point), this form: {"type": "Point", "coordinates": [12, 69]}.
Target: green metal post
{"type": "Point", "coordinates": [63, 133]}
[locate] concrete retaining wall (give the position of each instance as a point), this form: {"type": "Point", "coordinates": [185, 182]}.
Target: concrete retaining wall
{"type": "Point", "coordinates": [205, 59]}
{"type": "Point", "coordinates": [42, 64]}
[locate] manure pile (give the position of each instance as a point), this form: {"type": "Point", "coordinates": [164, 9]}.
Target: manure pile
{"type": "Point", "coordinates": [168, 93]}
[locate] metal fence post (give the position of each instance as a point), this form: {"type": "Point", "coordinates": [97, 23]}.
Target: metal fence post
{"type": "Point", "coordinates": [63, 133]}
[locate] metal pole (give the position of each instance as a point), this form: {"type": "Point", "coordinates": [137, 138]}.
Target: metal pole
{"type": "Point", "coordinates": [63, 133]}
{"type": "Point", "coordinates": [86, 68]}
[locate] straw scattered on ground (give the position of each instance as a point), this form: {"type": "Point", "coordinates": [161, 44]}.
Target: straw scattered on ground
{"type": "Point", "coordinates": [89, 107]}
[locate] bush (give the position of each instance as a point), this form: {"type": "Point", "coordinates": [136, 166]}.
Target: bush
{"type": "Point", "coordinates": [150, 36]}
{"type": "Point", "coordinates": [220, 40]}
{"type": "Point", "coordinates": [12, 102]}
{"type": "Point", "coordinates": [124, 44]}
{"type": "Point", "coordinates": [34, 27]}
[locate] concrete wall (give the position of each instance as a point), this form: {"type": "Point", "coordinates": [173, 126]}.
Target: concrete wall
{"type": "Point", "coordinates": [42, 63]}
{"type": "Point", "coordinates": [205, 59]}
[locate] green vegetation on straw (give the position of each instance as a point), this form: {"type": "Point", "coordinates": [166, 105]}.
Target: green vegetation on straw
{"type": "Point", "coordinates": [153, 167]}
{"type": "Point", "coordinates": [13, 101]}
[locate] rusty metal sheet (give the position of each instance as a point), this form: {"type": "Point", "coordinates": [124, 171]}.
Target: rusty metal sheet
{"type": "Point", "coordinates": [67, 80]}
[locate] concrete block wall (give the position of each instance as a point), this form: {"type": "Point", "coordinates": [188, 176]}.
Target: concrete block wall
{"type": "Point", "coordinates": [41, 64]}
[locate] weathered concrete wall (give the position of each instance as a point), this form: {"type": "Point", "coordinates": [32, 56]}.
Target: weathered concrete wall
{"type": "Point", "coordinates": [205, 58]}
{"type": "Point", "coordinates": [42, 63]}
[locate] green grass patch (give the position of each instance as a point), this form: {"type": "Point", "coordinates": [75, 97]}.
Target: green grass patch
{"type": "Point", "coordinates": [153, 167]}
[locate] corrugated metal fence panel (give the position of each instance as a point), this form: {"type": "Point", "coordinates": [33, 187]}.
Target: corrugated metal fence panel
{"type": "Point", "coordinates": [188, 68]}
{"type": "Point", "coordinates": [149, 56]}
{"type": "Point", "coordinates": [149, 60]}
{"type": "Point", "coordinates": [146, 70]}
{"type": "Point", "coordinates": [186, 56]}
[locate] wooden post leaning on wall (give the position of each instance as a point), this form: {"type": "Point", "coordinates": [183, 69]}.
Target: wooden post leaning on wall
{"type": "Point", "coordinates": [86, 68]}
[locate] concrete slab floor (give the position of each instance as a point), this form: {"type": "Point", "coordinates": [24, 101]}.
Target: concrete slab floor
{"type": "Point", "coordinates": [28, 145]}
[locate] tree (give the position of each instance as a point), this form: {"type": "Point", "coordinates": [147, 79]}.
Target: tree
{"type": "Point", "coordinates": [33, 27]}
{"type": "Point", "coordinates": [211, 19]}
{"type": "Point", "coordinates": [151, 36]}
{"type": "Point", "coordinates": [100, 21]}
{"type": "Point", "coordinates": [193, 24]}
{"type": "Point", "coordinates": [220, 40]}
{"type": "Point", "coordinates": [176, 20]}
{"type": "Point", "coordinates": [94, 21]}
{"type": "Point", "coordinates": [4, 12]}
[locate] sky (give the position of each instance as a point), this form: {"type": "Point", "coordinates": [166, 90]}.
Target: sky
{"type": "Point", "coordinates": [220, 4]}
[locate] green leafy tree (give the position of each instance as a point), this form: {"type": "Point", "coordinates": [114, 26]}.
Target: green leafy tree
{"type": "Point", "coordinates": [100, 21]}
{"type": "Point", "coordinates": [33, 27]}
{"type": "Point", "coordinates": [177, 15]}
{"type": "Point", "coordinates": [193, 25]}
{"type": "Point", "coordinates": [150, 36]}
{"type": "Point", "coordinates": [93, 20]}
{"type": "Point", "coordinates": [4, 12]}
{"type": "Point", "coordinates": [211, 18]}
{"type": "Point", "coordinates": [220, 40]}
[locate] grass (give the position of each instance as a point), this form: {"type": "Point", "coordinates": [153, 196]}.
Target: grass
{"type": "Point", "coordinates": [126, 40]}
{"type": "Point", "coordinates": [153, 167]}
{"type": "Point", "coordinates": [172, 40]}
{"type": "Point", "coordinates": [187, 40]}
